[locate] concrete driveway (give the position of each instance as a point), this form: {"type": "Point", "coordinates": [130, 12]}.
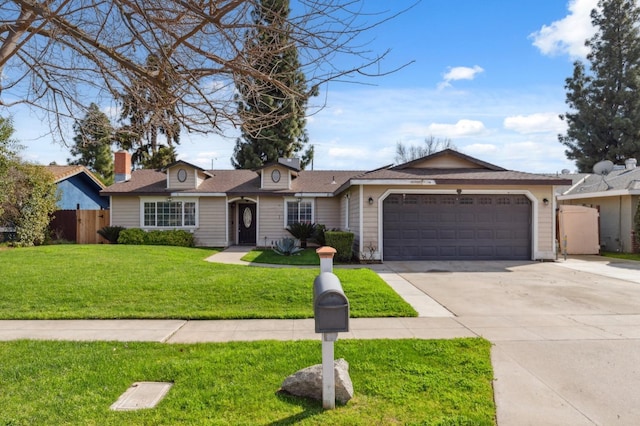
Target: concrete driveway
{"type": "Point", "coordinates": [566, 335]}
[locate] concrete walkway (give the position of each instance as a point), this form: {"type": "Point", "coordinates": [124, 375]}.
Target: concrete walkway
{"type": "Point", "coordinates": [566, 335]}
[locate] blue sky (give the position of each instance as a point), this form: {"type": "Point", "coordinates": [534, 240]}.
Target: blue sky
{"type": "Point", "coordinates": [488, 75]}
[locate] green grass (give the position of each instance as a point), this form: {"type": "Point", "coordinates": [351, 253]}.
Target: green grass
{"type": "Point", "coordinates": [306, 257]}
{"type": "Point", "coordinates": [118, 281]}
{"type": "Point", "coordinates": [427, 382]}
{"type": "Point", "coordinates": [627, 256]}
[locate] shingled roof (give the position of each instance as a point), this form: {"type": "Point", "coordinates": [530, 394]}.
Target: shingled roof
{"type": "Point", "coordinates": [244, 182]}
{"type": "Point", "coordinates": [617, 180]}
{"type": "Point", "coordinates": [442, 168]}
{"type": "Point", "coordinates": [63, 172]}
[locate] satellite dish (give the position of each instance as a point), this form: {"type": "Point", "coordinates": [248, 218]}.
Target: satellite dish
{"type": "Point", "coordinates": [565, 171]}
{"type": "Point", "coordinates": [603, 168]}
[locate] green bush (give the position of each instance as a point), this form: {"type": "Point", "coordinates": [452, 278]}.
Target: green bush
{"type": "Point", "coordinates": [138, 236]}
{"type": "Point", "coordinates": [176, 237]}
{"type": "Point", "coordinates": [132, 236]}
{"type": "Point", "coordinates": [302, 231]}
{"type": "Point", "coordinates": [111, 233]}
{"type": "Point", "coordinates": [342, 242]}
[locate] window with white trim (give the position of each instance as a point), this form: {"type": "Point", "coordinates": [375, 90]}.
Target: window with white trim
{"type": "Point", "coordinates": [298, 211]}
{"type": "Point", "coordinates": [169, 214]}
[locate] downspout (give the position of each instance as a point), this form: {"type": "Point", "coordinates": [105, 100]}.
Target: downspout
{"type": "Point", "coordinates": [361, 220]}
{"type": "Point", "coordinates": [620, 245]}
{"type": "Point", "coordinates": [226, 221]}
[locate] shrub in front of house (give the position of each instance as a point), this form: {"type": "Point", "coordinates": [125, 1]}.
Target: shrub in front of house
{"type": "Point", "coordinates": [303, 231]}
{"type": "Point", "coordinates": [132, 236]}
{"type": "Point", "coordinates": [342, 241]}
{"type": "Point", "coordinates": [111, 233]}
{"type": "Point", "coordinates": [175, 237]}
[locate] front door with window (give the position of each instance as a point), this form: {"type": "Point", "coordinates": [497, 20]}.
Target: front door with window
{"type": "Point", "coordinates": [247, 224]}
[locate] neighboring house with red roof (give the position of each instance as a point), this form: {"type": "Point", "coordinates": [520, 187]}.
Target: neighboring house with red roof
{"type": "Point", "coordinates": [446, 206]}
{"type": "Point", "coordinates": [78, 188]}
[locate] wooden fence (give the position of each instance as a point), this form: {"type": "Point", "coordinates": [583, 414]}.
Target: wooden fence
{"type": "Point", "coordinates": [80, 226]}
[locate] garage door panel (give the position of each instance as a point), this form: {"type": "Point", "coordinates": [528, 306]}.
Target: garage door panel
{"type": "Point", "coordinates": [448, 251]}
{"type": "Point", "coordinates": [467, 234]}
{"type": "Point", "coordinates": [448, 227]}
{"type": "Point", "coordinates": [503, 234]}
{"type": "Point", "coordinates": [465, 217]}
{"type": "Point", "coordinates": [486, 251]}
{"type": "Point", "coordinates": [447, 234]}
{"type": "Point", "coordinates": [485, 234]}
{"type": "Point", "coordinates": [429, 234]}
{"type": "Point", "coordinates": [428, 251]}
{"type": "Point", "coordinates": [467, 251]}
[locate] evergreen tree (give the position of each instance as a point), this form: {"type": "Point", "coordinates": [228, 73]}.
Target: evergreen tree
{"type": "Point", "coordinates": [604, 121]}
{"type": "Point", "coordinates": [151, 113]}
{"type": "Point", "coordinates": [273, 121]}
{"type": "Point", "coordinates": [92, 143]}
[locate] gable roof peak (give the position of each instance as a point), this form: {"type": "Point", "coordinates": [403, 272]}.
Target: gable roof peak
{"type": "Point", "coordinates": [432, 160]}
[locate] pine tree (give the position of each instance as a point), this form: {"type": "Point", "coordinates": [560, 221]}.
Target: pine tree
{"type": "Point", "coordinates": [92, 143]}
{"type": "Point", "coordinates": [273, 123]}
{"type": "Point", "coordinates": [604, 121]}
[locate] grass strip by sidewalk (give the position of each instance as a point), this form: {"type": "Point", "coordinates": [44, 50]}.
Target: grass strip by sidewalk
{"type": "Point", "coordinates": [136, 282]}
{"type": "Point", "coordinates": [430, 382]}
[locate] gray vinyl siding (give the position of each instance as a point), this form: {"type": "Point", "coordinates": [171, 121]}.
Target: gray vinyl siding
{"type": "Point", "coordinates": [328, 212]}
{"type": "Point", "coordinates": [271, 221]}
{"type": "Point", "coordinates": [211, 231]}
{"type": "Point", "coordinates": [125, 211]}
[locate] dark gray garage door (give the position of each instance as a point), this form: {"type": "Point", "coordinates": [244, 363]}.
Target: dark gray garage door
{"type": "Point", "coordinates": [456, 227]}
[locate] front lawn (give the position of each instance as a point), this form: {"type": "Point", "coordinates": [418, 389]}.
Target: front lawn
{"type": "Point", "coordinates": [307, 256]}
{"type": "Point", "coordinates": [427, 382]}
{"type": "Point", "coordinates": [626, 256]}
{"type": "Point", "coordinates": [119, 281]}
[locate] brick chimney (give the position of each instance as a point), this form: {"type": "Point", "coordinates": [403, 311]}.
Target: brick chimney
{"type": "Point", "coordinates": [122, 166]}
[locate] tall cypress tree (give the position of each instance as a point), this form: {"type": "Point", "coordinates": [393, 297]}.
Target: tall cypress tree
{"type": "Point", "coordinates": [604, 121]}
{"type": "Point", "coordinates": [273, 122]}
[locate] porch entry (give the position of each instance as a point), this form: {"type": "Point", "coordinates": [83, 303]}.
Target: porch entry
{"type": "Point", "coordinates": [247, 223]}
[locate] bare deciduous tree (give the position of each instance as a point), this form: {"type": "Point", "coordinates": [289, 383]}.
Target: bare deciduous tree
{"type": "Point", "coordinates": [431, 145]}
{"type": "Point", "coordinates": [62, 55]}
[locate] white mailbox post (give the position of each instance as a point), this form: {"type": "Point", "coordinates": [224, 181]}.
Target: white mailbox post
{"type": "Point", "coordinates": [331, 314]}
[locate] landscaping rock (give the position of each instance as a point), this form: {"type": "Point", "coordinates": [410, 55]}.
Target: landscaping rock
{"type": "Point", "coordinates": [308, 382]}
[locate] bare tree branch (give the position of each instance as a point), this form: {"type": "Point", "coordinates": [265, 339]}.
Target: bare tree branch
{"type": "Point", "coordinates": [62, 55]}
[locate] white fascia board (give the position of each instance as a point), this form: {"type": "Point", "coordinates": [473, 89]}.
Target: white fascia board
{"type": "Point", "coordinates": [313, 194]}
{"type": "Point", "coordinates": [601, 194]}
{"type": "Point", "coordinates": [393, 182]}
{"type": "Point", "coordinates": [581, 181]}
{"type": "Point", "coordinates": [198, 194]}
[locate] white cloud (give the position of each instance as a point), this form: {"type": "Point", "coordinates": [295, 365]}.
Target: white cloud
{"type": "Point", "coordinates": [460, 129]}
{"type": "Point", "coordinates": [535, 123]}
{"type": "Point", "coordinates": [481, 150]}
{"type": "Point", "coordinates": [459, 73]}
{"type": "Point", "coordinates": [567, 35]}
